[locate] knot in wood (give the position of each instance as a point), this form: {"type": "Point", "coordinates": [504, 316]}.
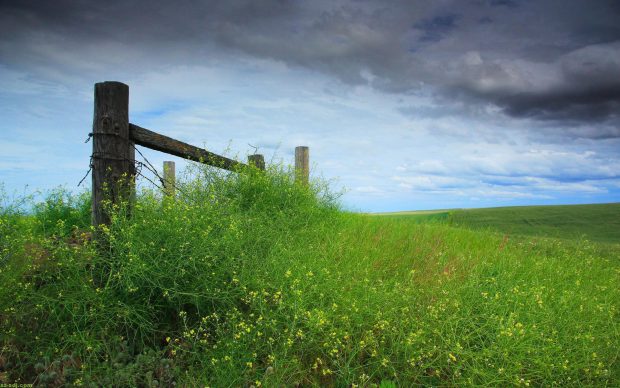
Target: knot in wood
{"type": "Point", "coordinates": [109, 127]}
{"type": "Point", "coordinates": [105, 123]}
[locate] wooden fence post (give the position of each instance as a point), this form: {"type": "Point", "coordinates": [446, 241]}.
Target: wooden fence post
{"type": "Point", "coordinates": [112, 161]}
{"type": "Point", "coordinates": [302, 165]}
{"type": "Point", "coordinates": [169, 179]}
{"type": "Point", "coordinates": [257, 160]}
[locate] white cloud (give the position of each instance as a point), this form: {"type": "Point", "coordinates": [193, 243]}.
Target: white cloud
{"type": "Point", "coordinates": [371, 190]}
{"type": "Point", "coordinates": [383, 114]}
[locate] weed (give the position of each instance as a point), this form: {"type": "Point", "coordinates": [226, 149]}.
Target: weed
{"type": "Point", "coordinates": [254, 280]}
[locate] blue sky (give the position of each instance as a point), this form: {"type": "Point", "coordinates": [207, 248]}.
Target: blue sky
{"type": "Point", "coordinates": [405, 105]}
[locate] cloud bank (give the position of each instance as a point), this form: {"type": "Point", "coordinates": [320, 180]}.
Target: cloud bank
{"type": "Point", "coordinates": [494, 96]}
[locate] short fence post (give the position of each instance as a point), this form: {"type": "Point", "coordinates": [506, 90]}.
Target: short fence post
{"type": "Point", "coordinates": [112, 158]}
{"type": "Point", "coordinates": [302, 165]}
{"type": "Point", "coordinates": [257, 160]}
{"type": "Point", "coordinates": [169, 179]}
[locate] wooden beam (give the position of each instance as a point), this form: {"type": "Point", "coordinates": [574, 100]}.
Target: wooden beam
{"type": "Point", "coordinates": [112, 157]}
{"type": "Point", "coordinates": [155, 141]}
{"type": "Point", "coordinates": [169, 179]}
{"type": "Point", "coordinates": [302, 165]}
{"type": "Point", "coordinates": [257, 160]}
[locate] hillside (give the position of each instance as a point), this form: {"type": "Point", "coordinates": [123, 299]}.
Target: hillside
{"type": "Point", "coordinates": [595, 222]}
{"type": "Point", "coordinates": [257, 281]}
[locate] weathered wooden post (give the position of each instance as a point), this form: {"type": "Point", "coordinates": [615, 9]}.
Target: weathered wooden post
{"type": "Point", "coordinates": [169, 179]}
{"type": "Point", "coordinates": [112, 159]}
{"type": "Point", "coordinates": [302, 164]}
{"type": "Point", "coordinates": [257, 160]}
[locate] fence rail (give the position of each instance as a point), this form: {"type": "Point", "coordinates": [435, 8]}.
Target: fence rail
{"type": "Point", "coordinates": [113, 157]}
{"type": "Point", "coordinates": [155, 141]}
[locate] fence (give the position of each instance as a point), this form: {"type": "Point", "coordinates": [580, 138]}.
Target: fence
{"type": "Point", "coordinates": [113, 157]}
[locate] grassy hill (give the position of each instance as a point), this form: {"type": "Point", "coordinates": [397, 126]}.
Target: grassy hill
{"type": "Point", "coordinates": [596, 222]}
{"type": "Point", "coordinates": [256, 281]}
{"type": "Point", "coordinates": [599, 222]}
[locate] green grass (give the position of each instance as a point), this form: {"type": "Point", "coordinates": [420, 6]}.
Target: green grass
{"type": "Point", "coordinates": [600, 222]}
{"type": "Point", "coordinates": [596, 222]}
{"type": "Point", "coordinates": [254, 280]}
{"type": "Point", "coordinates": [422, 216]}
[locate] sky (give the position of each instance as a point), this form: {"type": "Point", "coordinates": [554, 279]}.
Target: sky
{"type": "Point", "coordinates": [404, 104]}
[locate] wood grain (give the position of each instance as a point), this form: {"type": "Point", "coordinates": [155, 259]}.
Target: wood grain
{"type": "Point", "coordinates": [155, 141]}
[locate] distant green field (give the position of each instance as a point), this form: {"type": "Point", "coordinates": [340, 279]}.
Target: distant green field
{"type": "Point", "coordinates": [599, 222]}
{"type": "Point", "coordinates": [420, 216]}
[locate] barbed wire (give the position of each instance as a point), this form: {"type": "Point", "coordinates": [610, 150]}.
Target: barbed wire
{"type": "Point", "coordinates": [149, 166]}
{"type": "Point", "coordinates": [138, 172]}
{"type": "Point", "coordinates": [138, 167]}
{"type": "Point", "coordinates": [102, 155]}
{"type": "Point", "coordinates": [90, 168]}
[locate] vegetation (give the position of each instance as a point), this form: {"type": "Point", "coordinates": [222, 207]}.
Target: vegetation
{"type": "Point", "coordinates": [599, 222]}
{"type": "Point", "coordinates": [421, 216]}
{"type": "Point", "coordinates": [256, 281]}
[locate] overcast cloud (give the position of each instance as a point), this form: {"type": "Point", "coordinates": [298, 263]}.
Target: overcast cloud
{"type": "Point", "coordinates": [410, 104]}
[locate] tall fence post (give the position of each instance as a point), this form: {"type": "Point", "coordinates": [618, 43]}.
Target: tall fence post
{"type": "Point", "coordinates": [257, 160]}
{"type": "Point", "coordinates": [169, 179]}
{"type": "Point", "coordinates": [302, 164]}
{"type": "Point", "coordinates": [112, 157]}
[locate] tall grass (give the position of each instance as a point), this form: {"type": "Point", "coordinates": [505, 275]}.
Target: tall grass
{"type": "Point", "coordinates": [253, 280]}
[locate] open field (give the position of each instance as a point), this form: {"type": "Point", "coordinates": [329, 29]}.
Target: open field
{"type": "Point", "coordinates": [597, 222]}
{"type": "Point", "coordinates": [254, 280]}
{"type": "Point", "coordinates": [419, 216]}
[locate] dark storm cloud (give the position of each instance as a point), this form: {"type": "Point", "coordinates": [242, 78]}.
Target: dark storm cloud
{"type": "Point", "coordinates": [591, 105]}
{"type": "Point", "coordinates": [580, 86]}
{"type": "Point", "coordinates": [506, 3]}
{"type": "Point", "coordinates": [544, 60]}
{"type": "Point", "coordinates": [436, 28]}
